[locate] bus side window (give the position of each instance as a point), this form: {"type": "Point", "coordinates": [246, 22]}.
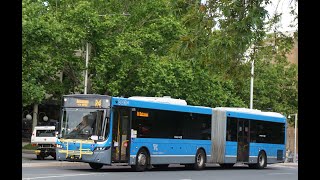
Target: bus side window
{"type": "Point", "coordinates": [231, 134]}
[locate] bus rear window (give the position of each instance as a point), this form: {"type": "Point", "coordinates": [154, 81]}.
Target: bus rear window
{"type": "Point", "coordinates": [45, 133]}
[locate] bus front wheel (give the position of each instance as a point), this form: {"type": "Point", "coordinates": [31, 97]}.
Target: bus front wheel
{"type": "Point", "coordinates": [95, 166]}
{"type": "Point", "coordinates": [200, 160]}
{"type": "Point", "coordinates": [142, 160]}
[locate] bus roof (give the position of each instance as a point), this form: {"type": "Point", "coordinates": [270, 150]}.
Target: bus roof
{"type": "Point", "coordinates": [253, 114]}
{"type": "Point", "coordinates": [161, 105]}
{"type": "Point", "coordinates": [164, 99]}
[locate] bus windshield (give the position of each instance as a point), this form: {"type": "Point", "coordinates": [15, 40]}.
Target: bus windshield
{"type": "Point", "coordinates": [82, 123]}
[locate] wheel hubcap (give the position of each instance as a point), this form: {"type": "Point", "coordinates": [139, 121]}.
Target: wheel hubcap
{"type": "Point", "coordinates": [261, 160]}
{"type": "Point", "coordinates": [199, 160]}
{"type": "Point", "coordinates": [142, 159]}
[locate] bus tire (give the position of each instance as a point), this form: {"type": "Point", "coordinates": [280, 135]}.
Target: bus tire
{"type": "Point", "coordinates": [226, 165]}
{"type": "Point", "coordinates": [261, 163]}
{"type": "Point", "coordinates": [200, 162]}
{"type": "Point", "coordinates": [95, 166]}
{"type": "Point", "coordinates": [262, 160]}
{"type": "Point", "coordinates": [142, 160]}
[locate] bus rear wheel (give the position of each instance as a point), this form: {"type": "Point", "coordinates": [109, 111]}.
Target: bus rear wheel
{"type": "Point", "coordinates": [262, 161]}
{"type": "Point", "coordinates": [200, 160]}
{"type": "Point", "coordinates": [95, 166]}
{"type": "Point", "coordinates": [142, 160]}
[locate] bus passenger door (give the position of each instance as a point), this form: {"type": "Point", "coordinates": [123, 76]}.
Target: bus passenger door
{"type": "Point", "coordinates": [243, 140]}
{"type": "Point", "coordinates": [121, 135]}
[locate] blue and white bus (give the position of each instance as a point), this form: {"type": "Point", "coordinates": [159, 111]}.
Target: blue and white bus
{"type": "Point", "coordinates": [146, 132]}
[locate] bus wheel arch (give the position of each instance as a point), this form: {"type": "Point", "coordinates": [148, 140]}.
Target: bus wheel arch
{"type": "Point", "coordinates": [142, 159]}
{"type": "Point", "coordinates": [200, 159]}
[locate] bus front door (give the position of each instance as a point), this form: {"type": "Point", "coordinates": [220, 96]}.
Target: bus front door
{"type": "Point", "coordinates": [243, 141]}
{"type": "Point", "coordinates": [121, 135]}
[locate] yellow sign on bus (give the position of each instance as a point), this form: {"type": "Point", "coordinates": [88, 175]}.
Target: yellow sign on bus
{"type": "Point", "coordinates": [97, 103]}
{"type": "Point", "coordinates": [142, 114]}
{"type": "Point", "coordinates": [82, 102]}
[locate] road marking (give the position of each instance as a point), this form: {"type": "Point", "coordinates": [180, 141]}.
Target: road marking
{"type": "Point", "coordinates": [43, 177]}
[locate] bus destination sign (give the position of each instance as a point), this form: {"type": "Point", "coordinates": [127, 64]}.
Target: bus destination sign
{"type": "Point", "coordinates": [86, 102]}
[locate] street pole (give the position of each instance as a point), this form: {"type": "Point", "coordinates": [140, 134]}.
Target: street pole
{"type": "Point", "coordinates": [295, 138]}
{"type": "Point", "coordinates": [35, 116]}
{"type": "Point", "coordinates": [86, 72]}
{"type": "Point", "coordinates": [251, 86]}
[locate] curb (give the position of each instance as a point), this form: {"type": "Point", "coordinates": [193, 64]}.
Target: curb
{"type": "Point", "coordinates": [287, 164]}
{"type": "Point", "coordinates": [54, 164]}
{"type": "Point", "coordinates": [28, 151]}
{"type": "Point", "coordinates": [290, 164]}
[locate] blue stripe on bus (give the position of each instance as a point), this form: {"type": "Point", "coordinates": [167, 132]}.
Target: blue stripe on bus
{"type": "Point", "coordinates": [116, 101]}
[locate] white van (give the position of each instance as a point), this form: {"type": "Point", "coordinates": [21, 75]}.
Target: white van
{"type": "Point", "coordinates": [45, 138]}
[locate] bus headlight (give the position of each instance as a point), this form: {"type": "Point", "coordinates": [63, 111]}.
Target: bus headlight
{"type": "Point", "coordinates": [58, 146]}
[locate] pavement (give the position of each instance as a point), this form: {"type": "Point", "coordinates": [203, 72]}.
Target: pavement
{"type": "Point", "coordinates": [288, 164]}
{"type": "Point", "coordinates": [54, 164]}
{"type": "Point", "coordinates": [47, 163]}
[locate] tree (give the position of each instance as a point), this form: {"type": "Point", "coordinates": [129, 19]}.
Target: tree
{"type": "Point", "coordinates": [154, 48]}
{"type": "Point", "coordinates": [40, 62]}
{"type": "Point", "coordinates": [276, 80]}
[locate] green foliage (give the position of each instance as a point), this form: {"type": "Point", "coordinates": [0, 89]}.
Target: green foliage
{"type": "Point", "coordinates": [276, 80]}
{"type": "Point", "coordinates": [29, 147]}
{"type": "Point", "coordinates": [176, 48]}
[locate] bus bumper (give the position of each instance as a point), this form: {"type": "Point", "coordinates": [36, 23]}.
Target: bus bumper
{"type": "Point", "coordinates": [97, 156]}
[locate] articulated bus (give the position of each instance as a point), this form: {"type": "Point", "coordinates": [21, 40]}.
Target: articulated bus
{"type": "Point", "coordinates": [146, 132]}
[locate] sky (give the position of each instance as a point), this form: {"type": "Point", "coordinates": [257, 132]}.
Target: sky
{"type": "Point", "coordinates": [280, 6]}
{"type": "Point", "coordinates": [284, 8]}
